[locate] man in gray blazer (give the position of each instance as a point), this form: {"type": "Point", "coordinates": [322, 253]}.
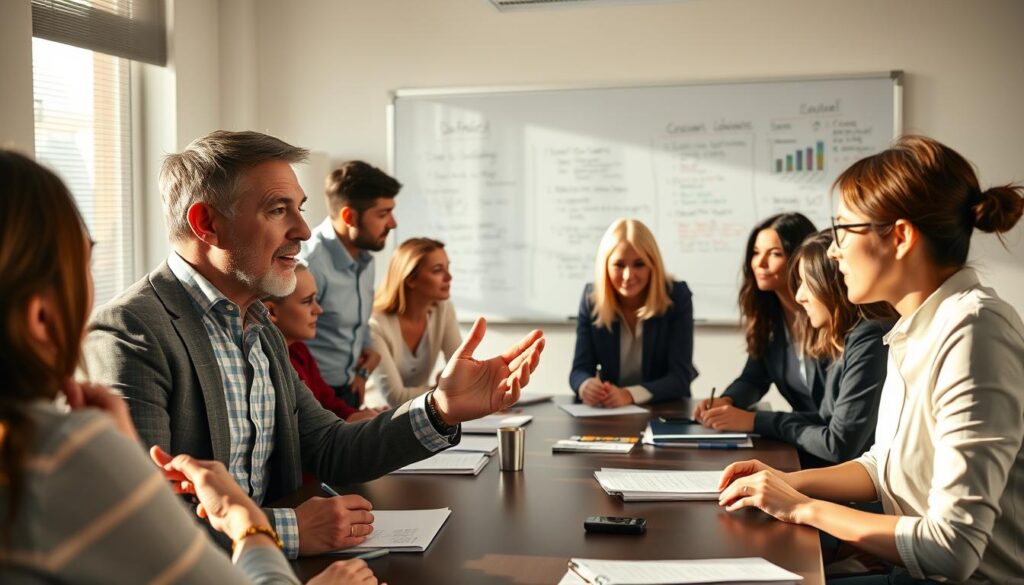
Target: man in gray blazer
{"type": "Point", "coordinates": [205, 372]}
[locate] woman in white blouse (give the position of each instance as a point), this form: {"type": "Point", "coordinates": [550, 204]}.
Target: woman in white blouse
{"type": "Point", "coordinates": [412, 320]}
{"type": "Point", "coordinates": [947, 463]}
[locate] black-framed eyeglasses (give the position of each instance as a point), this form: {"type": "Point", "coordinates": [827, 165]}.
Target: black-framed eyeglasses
{"type": "Point", "coordinates": [839, 229]}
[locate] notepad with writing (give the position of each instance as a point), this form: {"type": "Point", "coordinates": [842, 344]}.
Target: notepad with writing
{"type": "Point", "coordinates": [447, 463]}
{"type": "Point", "coordinates": [681, 572]}
{"type": "Point", "coordinates": [403, 530]}
{"type": "Point", "coordinates": [655, 485]}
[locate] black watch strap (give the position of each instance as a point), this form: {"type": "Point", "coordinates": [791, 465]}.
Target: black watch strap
{"type": "Point", "coordinates": [435, 419]}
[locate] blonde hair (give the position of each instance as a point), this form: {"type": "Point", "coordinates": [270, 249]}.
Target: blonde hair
{"type": "Point", "coordinates": [604, 298]}
{"type": "Point", "coordinates": [390, 297]}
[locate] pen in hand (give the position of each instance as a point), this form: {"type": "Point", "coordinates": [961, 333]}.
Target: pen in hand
{"type": "Point", "coordinates": [330, 491]}
{"type": "Point", "coordinates": [709, 402]}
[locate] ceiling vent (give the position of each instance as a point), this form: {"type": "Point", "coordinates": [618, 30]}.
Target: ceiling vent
{"type": "Point", "coordinates": [513, 5]}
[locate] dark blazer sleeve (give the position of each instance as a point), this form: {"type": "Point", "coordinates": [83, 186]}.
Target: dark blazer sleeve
{"type": "Point", "coordinates": [584, 361]}
{"type": "Point", "coordinates": [752, 384]}
{"type": "Point", "coordinates": [845, 423]}
{"type": "Point", "coordinates": [675, 383]}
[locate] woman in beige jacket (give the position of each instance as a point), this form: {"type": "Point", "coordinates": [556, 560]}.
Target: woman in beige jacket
{"type": "Point", "coordinates": [412, 320]}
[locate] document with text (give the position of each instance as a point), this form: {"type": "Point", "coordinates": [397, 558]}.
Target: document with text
{"type": "Point", "coordinates": [659, 485]}
{"type": "Point", "coordinates": [681, 572]}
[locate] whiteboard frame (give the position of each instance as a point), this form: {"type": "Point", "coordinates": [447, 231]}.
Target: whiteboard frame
{"type": "Point", "coordinates": [896, 75]}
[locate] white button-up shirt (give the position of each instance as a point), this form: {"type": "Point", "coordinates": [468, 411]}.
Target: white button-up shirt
{"type": "Point", "coordinates": [947, 454]}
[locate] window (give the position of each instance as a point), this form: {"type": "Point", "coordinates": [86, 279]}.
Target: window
{"type": "Point", "coordinates": [83, 133]}
{"type": "Point", "coordinates": [81, 57]}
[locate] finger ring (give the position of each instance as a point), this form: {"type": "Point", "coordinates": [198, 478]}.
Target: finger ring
{"type": "Point", "coordinates": [745, 490]}
{"type": "Point", "coordinates": [352, 530]}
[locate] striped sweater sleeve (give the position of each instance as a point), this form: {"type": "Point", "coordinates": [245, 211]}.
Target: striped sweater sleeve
{"type": "Point", "coordinates": [97, 511]}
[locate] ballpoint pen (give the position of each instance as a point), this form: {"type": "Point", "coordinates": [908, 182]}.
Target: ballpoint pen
{"type": "Point", "coordinates": [373, 554]}
{"type": "Point", "coordinates": [329, 489]}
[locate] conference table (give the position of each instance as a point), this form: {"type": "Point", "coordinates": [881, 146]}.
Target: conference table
{"type": "Point", "coordinates": [523, 527]}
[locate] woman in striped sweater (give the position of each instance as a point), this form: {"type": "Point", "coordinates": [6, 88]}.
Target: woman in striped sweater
{"type": "Point", "coordinates": [79, 501]}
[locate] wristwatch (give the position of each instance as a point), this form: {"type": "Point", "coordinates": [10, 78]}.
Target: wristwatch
{"type": "Point", "coordinates": [363, 373]}
{"type": "Point", "coordinates": [436, 420]}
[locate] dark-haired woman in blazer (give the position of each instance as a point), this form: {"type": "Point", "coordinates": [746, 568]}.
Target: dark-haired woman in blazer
{"type": "Point", "coordinates": [634, 334]}
{"type": "Point", "coordinates": [774, 325]}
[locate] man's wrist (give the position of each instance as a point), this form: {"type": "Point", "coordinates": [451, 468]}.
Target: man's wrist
{"type": "Point", "coordinates": [437, 407]}
{"type": "Point", "coordinates": [363, 373]}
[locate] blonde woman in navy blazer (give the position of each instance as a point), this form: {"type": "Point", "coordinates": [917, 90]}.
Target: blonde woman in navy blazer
{"type": "Point", "coordinates": [634, 333]}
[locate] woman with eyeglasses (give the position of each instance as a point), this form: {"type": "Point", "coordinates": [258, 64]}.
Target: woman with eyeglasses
{"type": "Point", "coordinates": [850, 337]}
{"type": "Point", "coordinates": [774, 325]}
{"type": "Point", "coordinates": [634, 333]}
{"type": "Point", "coordinates": [947, 463]}
{"type": "Point", "coordinates": [79, 500]}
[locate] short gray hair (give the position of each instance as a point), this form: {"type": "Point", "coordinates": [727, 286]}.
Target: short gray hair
{"type": "Point", "coordinates": [209, 170]}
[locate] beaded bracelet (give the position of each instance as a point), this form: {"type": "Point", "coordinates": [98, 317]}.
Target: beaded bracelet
{"type": "Point", "coordinates": [262, 529]}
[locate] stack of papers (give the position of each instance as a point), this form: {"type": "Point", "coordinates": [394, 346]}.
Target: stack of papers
{"type": "Point", "coordinates": [492, 422]}
{"type": "Point", "coordinates": [584, 410]}
{"type": "Point", "coordinates": [595, 444]}
{"type": "Point", "coordinates": [743, 570]}
{"type": "Point", "coordinates": [447, 463]}
{"type": "Point", "coordinates": [403, 530]}
{"type": "Point", "coordinates": [476, 444]}
{"type": "Point", "coordinates": [642, 485]}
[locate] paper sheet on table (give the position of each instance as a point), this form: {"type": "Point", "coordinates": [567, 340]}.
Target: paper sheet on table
{"type": "Point", "coordinates": [403, 530]}
{"type": "Point", "coordinates": [476, 444]}
{"type": "Point", "coordinates": [447, 463]}
{"type": "Point", "coordinates": [585, 410]}
{"type": "Point", "coordinates": [492, 422]}
{"type": "Point", "coordinates": [741, 570]}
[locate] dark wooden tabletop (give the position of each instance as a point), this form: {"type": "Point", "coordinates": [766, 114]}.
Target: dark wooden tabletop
{"type": "Point", "coordinates": [522, 527]}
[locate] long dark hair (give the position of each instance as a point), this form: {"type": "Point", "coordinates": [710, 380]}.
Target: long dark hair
{"type": "Point", "coordinates": [42, 251]}
{"type": "Point", "coordinates": [825, 283]}
{"type": "Point", "coordinates": [761, 311]}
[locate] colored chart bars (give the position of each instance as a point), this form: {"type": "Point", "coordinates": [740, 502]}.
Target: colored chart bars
{"type": "Point", "coordinates": [802, 159]}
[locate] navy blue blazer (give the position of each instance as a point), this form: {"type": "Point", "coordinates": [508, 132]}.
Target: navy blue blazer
{"type": "Point", "coordinates": [667, 348]}
{"type": "Point", "coordinates": [760, 373]}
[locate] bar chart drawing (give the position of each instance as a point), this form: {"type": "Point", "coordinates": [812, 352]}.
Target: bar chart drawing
{"type": "Point", "coordinates": [789, 158]}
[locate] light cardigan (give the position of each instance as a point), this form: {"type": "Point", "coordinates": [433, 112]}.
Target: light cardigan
{"type": "Point", "coordinates": [947, 455]}
{"type": "Point", "coordinates": [386, 333]}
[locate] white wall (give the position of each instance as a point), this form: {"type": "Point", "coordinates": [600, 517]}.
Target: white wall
{"type": "Point", "coordinates": [326, 67]}
{"type": "Point", "coordinates": [16, 111]}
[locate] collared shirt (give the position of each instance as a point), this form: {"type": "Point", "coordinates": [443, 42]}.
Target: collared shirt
{"type": "Point", "coordinates": [344, 289]}
{"type": "Point", "coordinates": [947, 456]}
{"type": "Point", "coordinates": [248, 389]}
{"type": "Point", "coordinates": [631, 361]}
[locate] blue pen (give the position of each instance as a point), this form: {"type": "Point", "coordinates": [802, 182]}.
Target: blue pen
{"type": "Point", "coordinates": [329, 489]}
{"type": "Point", "coordinates": [706, 445]}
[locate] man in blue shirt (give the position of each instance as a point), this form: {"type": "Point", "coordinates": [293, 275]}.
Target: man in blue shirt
{"type": "Point", "coordinates": [360, 204]}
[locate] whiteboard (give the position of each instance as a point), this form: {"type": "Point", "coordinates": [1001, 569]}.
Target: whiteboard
{"type": "Point", "coordinates": [520, 184]}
